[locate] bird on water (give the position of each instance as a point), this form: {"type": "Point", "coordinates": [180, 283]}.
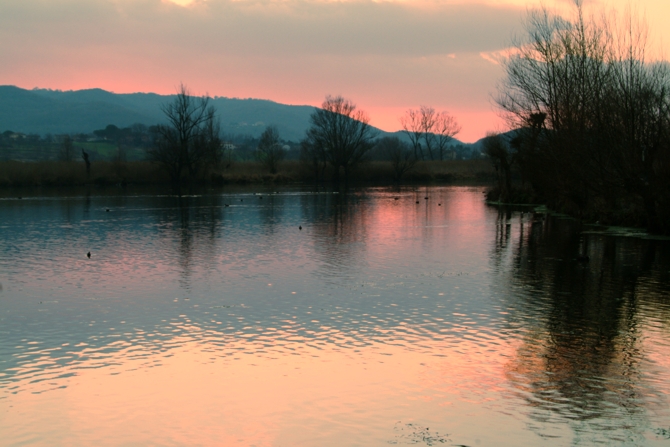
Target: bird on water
{"type": "Point", "coordinates": [89, 255]}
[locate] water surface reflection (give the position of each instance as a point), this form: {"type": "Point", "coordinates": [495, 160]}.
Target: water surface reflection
{"type": "Point", "coordinates": [591, 305]}
{"type": "Point", "coordinates": [215, 320]}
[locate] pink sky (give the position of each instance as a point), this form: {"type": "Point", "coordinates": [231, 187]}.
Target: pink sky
{"type": "Point", "coordinates": [386, 56]}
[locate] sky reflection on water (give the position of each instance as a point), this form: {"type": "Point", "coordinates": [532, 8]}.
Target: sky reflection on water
{"type": "Point", "coordinates": [214, 320]}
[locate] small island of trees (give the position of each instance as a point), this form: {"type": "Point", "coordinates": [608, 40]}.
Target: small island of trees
{"type": "Point", "coordinates": [591, 121]}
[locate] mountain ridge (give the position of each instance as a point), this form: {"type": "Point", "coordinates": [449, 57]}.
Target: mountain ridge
{"type": "Point", "coordinates": [45, 111]}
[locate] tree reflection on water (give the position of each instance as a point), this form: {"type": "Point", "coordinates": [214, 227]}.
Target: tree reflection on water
{"type": "Point", "coordinates": [586, 301]}
{"type": "Point", "coordinates": [337, 223]}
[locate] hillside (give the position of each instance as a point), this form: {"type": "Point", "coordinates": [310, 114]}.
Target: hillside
{"type": "Point", "coordinates": [42, 112]}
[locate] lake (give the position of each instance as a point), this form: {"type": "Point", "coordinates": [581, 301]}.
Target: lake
{"type": "Point", "coordinates": [303, 317]}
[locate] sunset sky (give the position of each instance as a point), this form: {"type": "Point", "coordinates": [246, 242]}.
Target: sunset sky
{"type": "Point", "coordinates": [386, 56]}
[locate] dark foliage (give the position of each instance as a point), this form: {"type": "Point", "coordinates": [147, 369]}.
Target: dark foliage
{"type": "Point", "coordinates": [400, 154]}
{"type": "Point", "coordinates": [190, 143]}
{"type": "Point", "coordinates": [339, 134]}
{"type": "Point", "coordinates": [594, 119]}
{"type": "Point", "coordinates": [270, 151]}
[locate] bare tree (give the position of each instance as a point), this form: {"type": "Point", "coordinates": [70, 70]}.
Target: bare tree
{"type": "Point", "coordinates": [430, 130]}
{"type": "Point", "coordinates": [341, 132]}
{"type": "Point", "coordinates": [190, 141]}
{"type": "Point", "coordinates": [593, 113]}
{"type": "Point", "coordinates": [208, 147]}
{"type": "Point", "coordinates": [269, 151]}
{"type": "Point", "coordinates": [558, 72]}
{"type": "Point", "coordinates": [639, 147]}
{"type": "Point", "coordinates": [444, 130]}
{"type": "Point", "coordinates": [428, 119]}
{"type": "Point", "coordinates": [412, 125]}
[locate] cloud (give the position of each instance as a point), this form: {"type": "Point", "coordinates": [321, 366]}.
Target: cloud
{"type": "Point", "coordinates": [262, 27]}
{"type": "Point", "coordinates": [381, 54]}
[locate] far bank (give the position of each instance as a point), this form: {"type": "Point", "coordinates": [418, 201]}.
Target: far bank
{"type": "Point", "coordinates": [57, 173]}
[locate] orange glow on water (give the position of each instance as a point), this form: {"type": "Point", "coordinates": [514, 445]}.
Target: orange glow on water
{"type": "Point", "coordinates": [195, 399]}
{"type": "Point", "coordinates": [381, 321]}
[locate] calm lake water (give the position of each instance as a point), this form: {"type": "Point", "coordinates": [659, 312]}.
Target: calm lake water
{"type": "Point", "coordinates": [214, 320]}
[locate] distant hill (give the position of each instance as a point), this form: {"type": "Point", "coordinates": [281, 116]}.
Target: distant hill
{"type": "Point", "coordinates": [42, 111]}
{"type": "Point", "coordinates": [478, 146]}
{"type": "Point", "coordinates": [82, 111]}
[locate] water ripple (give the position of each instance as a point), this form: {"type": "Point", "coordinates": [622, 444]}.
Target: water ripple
{"type": "Point", "coordinates": [443, 309]}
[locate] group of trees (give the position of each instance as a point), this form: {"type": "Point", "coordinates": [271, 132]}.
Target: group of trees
{"type": "Point", "coordinates": [592, 115]}
{"type": "Point", "coordinates": [398, 153]}
{"type": "Point", "coordinates": [189, 145]}
{"type": "Point", "coordinates": [340, 138]}
{"type": "Point", "coordinates": [137, 135]}
{"type": "Point", "coordinates": [270, 151]}
{"type": "Point", "coordinates": [191, 139]}
{"type": "Point", "coordinates": [33, 147]}
{"type": "Point", "coordinates": [429, 131]}
{"type": "Point", "coordinates": [108, 144]}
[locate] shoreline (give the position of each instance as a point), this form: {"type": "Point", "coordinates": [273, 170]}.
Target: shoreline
{"type": "Point", "coordinates": [54, 174]}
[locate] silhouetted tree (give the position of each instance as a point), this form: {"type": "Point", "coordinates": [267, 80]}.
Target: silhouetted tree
{"type": "Point", "coordinates": [498, 151]}
{"type": "Point", "coordinates": [430, 130]}
{"type": "Point", "coordinates": [413, 125]}
{"type": "Point", "coordinates": [594, 116]}
{"type": "Point", "coordinates": [190, 141]}
{"type": "Point", "coordinates": [341, 133]}
{"type": "Point", "coordinates": [444, 130]}
{"type": "Point", "coordinates": [269, 151]}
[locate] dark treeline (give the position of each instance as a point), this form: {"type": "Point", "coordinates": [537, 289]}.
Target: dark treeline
{"type": "Point", "coordinates": [130, 143]}
{"type": "Point", "coordinates": [190, 149]}
{"type": "Point", "coordinates": [340, 139]}
{"type": "Point", "coordinates": [593, 120]}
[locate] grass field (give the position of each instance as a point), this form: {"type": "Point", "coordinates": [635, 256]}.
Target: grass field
{"type": "Point", "coordinates": [97, 150]}
{"type": "Point", "coordinates": [102, 150]}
